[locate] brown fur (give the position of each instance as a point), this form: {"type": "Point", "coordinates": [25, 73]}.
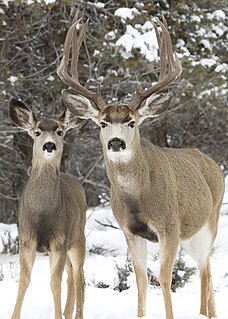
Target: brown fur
{"type": "Point", "coordinates": [173, 187]}
{"type": "Point", "coordinates": [51, 216]}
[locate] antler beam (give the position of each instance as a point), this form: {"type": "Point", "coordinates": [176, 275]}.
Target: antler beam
{"type": "Point", "coordinates": [170, 67]}
{"type": "Point", "coordinates": [73, 42]}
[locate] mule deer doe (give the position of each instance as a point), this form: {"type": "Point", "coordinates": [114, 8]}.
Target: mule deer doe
{"type": "Point", "coordinates": [168, 195]}
{"type": "Point", "coordinates": [51, 213]}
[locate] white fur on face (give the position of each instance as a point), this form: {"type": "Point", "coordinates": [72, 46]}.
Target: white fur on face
{"type": "Point", "coordinates": [49, 155]}
{"type": "Point", "coordinates": [124, 133]}
{"type": "Point", "coordinates": [121, 156]}
{"type": "Point", "coordinates": [45, 138]}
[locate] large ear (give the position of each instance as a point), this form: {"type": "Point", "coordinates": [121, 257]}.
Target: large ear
{"type": "Point", "coordinates": [21, 115]}
{"type": "Point", "coordinates": [80, 106]}
{"type": "Point", "coordinates": [155, 105]}
{"type": "Point", "coordinates": [68, 120]}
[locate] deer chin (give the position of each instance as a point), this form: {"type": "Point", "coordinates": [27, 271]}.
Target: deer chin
{"type": "Point", "coordinates": [123, 156]}
{"type": "Point", "coordinates": [49, 155]}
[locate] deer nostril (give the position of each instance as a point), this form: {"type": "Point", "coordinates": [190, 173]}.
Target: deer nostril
{"type": "Point", "coordinates": [49, 147]}
{"type": "Point", "coordinates": [116, 144]}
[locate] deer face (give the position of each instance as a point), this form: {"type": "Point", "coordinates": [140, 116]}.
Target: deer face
{"type": "Point", "coordinates": [48, 139]}
{"type": "Point", "coordinates": [47, 133]}
{"type": "Point", "coordinates": [118, 131]}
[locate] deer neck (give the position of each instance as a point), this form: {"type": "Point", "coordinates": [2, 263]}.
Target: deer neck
{"type": "Point", "coordinates": [43, 190]}
{"type": "Point", "coordinates": [46, 171]}
{"type": "Point", "coordinates": [126, 175]}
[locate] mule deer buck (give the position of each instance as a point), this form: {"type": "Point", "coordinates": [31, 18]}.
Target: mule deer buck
{"type": "Point", "coordinates": [51, 213]}
{"type": "Point", "coordinates": [165, 195]}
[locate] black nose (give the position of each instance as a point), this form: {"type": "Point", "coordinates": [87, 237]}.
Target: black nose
{"type": "Point", "coordinates": [49, 147]}
{"type": "Point", "coordinates": [116, 144]}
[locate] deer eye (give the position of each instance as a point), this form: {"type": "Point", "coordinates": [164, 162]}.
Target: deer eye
{"type": "Point", "coordinates": [37, 133]}
{"type": "Point", "coordinates": [131, 124]}
{"type": "Point", "coordinates": [60, 133]}
{"type": "Point", "coordinates": [103, 124]}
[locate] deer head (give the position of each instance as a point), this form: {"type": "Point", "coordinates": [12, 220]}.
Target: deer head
{"type": "Point", "coordinates": [47, 133]}
{"type": "Point", "coordinates": [119, 123]}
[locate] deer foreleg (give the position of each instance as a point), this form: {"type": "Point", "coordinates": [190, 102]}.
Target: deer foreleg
{"type": "Point", "coordinates": [167, 255]}
{"type": "Point", "coordinates": [57, 262]}
{"type": "Point", "coordinates": [69, 307]}
{"type": "Point", "coordinates": [77, 255]}
{"type": "Point", "coordinates": [138, 250]}
{"type": "Point", "coordinates": [27, 257]}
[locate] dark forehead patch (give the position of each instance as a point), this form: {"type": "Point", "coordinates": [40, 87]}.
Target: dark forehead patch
{"type": "Point", "coordinates": [48, 125]}
{"type": "Point", "coordinates": [117, 114]}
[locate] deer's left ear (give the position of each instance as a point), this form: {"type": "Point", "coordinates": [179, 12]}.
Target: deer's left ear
{"type": "Point", "coordinates": [155, 105]}
{"type": "Point", "coordinates": [69, 120]}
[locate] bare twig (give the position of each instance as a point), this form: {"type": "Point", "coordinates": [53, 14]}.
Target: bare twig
{"type": "Point", "coordinates": [106, 225]}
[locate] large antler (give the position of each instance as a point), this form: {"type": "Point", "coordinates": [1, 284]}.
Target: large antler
{"type": "Point", "coordinates": [170, 67]}
{"type": "Point", "coordinates": [74, 41]}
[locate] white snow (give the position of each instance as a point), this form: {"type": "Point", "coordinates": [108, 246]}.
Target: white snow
{"type": "Point", "coordinates": [96, 52]}
{"type": "Point", "coordinates": [195, 18]}
{"type": "Point", "coordinates": [219, 30]}
{"type": "Point", "coordinates": [12, 79]}
{"type": "Point", "coordinates": [126, 13]}
{"type": "Point", "coordinates": [180, 43]}
{"type": "Point", "coordinates": [216, 15]}
{"type": "Point", "coordinates": [30, 1]}
{"type": "Point", "coordinates": [110, 35]}
{"type": "Point", "coordinates": [222, 68]}
{"type": "Point", "coordinates": [99, 5]}
{"type": "Point", "coordinates": [106, 303]}
{"type": "Point", "coordinates": [5, 230]}
{"type": "Point", "coordinates": [148, 26]}
{"type": "Point", "coordinates": [50, 78]}
{"type": "Point", "coordinates": [143, 40]}
{"type": "Point", "coordinates": [205, 62]}
{"type": "Point", "coordinates": [206, 44]}
{"type": "Point", "coordinates": [46, 1]}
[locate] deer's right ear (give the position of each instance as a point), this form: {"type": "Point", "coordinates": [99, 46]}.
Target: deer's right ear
{"type": "Point", "coordinates": [80, 106]}
{"type": "Point", "coordinates": [21, 115]}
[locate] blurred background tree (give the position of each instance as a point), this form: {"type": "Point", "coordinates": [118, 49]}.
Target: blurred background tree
{"type": "Point", "coordinates": [32, 40]}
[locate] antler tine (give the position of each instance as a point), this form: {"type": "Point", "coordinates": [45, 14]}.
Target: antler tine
{"type": "Point", "coordinates": [162, 48]}
{"type": "Point", "coordinates": [170, 67]}
{"type": "Point", "coordinates": [74, 41]}
{"type": "Point", "coordinates": [76, 44]}
{"type": "Point", "coordinates": [168, 44]}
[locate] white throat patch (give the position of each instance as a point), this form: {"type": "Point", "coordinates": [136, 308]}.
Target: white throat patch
{"type": "Point", "coordinates": [122, 156]}
{"type": "Point", "coordinates": [126, 181]}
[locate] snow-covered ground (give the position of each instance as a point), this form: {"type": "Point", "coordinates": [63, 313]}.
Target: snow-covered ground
{"type": "Point", "coordinates": [106, 303]}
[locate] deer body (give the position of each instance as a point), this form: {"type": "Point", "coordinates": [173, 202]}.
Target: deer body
{"type": "Point", "coordinates": [169, 196]}
{"type": "Point", "coordinates": [166, 189]}
{"type": "Point", "coordinates": [50, 200]}
{"type": "Point", "coordinates": [51, 213]}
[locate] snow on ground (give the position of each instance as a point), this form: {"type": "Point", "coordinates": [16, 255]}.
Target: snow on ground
{"type": "Point", "coordinates": [106, 303]}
